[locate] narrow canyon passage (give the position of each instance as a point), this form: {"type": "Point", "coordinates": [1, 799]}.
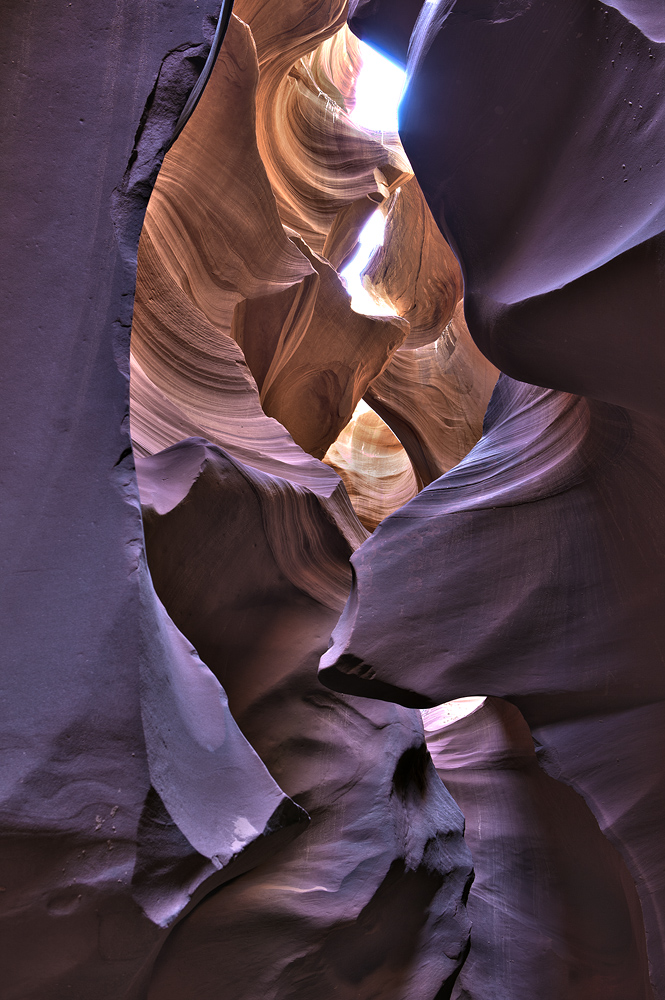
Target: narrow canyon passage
{"type": "Point", "coordinates": [334, 488]}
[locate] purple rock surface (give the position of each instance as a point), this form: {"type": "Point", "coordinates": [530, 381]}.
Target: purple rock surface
{"type": "Point", "coordinates": [534, 570]}
{"type": "Point", "coordinates": [127, 786]}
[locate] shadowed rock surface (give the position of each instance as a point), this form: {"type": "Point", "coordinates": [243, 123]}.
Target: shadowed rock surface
{"type": "Point", "coordinates": [370, 904]}
{"type": "Point", "coordinates": [127, 785]}
{"type": "Point", "coordinates": [550, 534]}
{"type": "Point", "coordinates": [554, 910]}
{"type": "Point", "coordinates": [525, 576]}
{"type": "Point", "coordinates": [531, 572]}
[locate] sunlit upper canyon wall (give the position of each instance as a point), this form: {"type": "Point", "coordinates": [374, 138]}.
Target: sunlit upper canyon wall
{"type": "Point", "coordinates": [334, 572]}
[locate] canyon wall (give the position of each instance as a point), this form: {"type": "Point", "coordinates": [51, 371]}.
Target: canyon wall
{"type": "Point", "coordinates": [256, 551]}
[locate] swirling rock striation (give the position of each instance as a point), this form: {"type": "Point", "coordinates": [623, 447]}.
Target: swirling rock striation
{"type": "Point", "coordinates": [554, 910]}
{"type": "Point", "coordinates": [374, 467]}
{"type": "Point", "coordinates": [216, 264]}
{"type": "Point", "coordinates": [499, 600]}
{"type": "Point", "coordinates": [434, 398]}
{"type": "Point", "coordinates": [550, 534]}
{"type": "Point", "coordinates": [371, 903]}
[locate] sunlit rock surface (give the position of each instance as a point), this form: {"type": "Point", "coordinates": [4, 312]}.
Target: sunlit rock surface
{"type": "Point", "coordinates": [434, 397]}
{"type": "Point", "coordinates": [415, 270]}
{"type": "Point", "coordinates": [374, 467]}
{"type": "Point", "coordinates": [216, 265]}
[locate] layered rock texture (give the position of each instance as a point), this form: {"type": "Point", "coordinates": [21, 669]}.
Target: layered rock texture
{"type": "Point", "coordinates": [221, 630]}
{"type": "Point", "coordinates": [131, 788]}
{"type": "Point", "coordinates": [127, 788]}
{"type": "Point", "coordinates": [533, 570]}
{"type": "Point", "coordinates": [244, 343]}
{"type": "Point", "coordinates": [368, 903]}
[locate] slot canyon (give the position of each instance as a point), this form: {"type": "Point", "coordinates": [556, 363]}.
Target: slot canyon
{"type": "Point", "coordinates": [333, 617]}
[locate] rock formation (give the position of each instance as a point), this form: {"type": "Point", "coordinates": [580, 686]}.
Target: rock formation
{"type": "Point", "coordinates": [526, 571]}
{"type": "Point", "coordinates": [128, 789]}
{"type": "Point", "coordinates": [553, 908]}
{"type": "Point", "coordinates": [192, 806]}
{"type": "Point", "coordinates": [221, 351]}
{"type": "Point", "coordinates": [369, 904]}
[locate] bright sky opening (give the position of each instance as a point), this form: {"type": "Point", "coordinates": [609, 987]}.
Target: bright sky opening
{"type": "Point", "coordinates": [379, 89]}
{"type": "Point", "coordinates": [370, 239]}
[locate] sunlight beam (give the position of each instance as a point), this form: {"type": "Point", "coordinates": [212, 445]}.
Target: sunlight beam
{"type": "Point", "coordinates": [379, 90]}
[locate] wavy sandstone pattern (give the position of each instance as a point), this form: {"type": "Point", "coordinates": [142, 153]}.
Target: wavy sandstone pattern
{"type": "Point", "coordinates": [216, 263]}
{"type": "Point", "coordinates": [269, 366]}
{"type": "Point", "coordinates": [167, 837]}
{"type": "Point", "coordinates": [526, 571]}
{"type": "Point", "coordinates": [371, 903]}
